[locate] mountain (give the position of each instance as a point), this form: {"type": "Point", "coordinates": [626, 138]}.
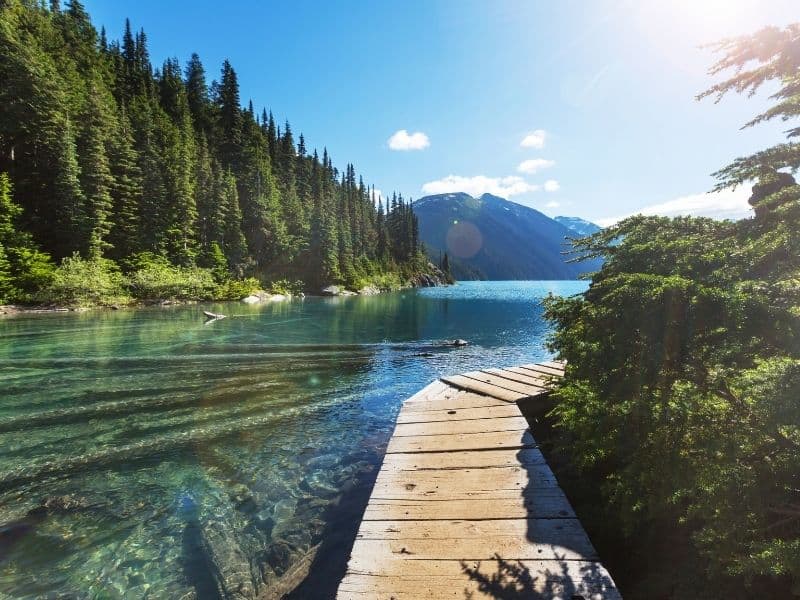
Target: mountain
{"type": "Point", "coordinates": [492, 238]}
{"type": "Point", "coordinates": [580, 226]}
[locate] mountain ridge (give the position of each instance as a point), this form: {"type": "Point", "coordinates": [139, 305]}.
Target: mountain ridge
{"type": "Point", "coordinates": [493, 238]}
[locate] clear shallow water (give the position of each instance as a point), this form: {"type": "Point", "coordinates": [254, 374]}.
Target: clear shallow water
{"type": "Point", "coordinates": [137, 444]}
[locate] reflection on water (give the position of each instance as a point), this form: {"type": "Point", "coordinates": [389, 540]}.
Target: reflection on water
{"type": "Point", "coordinates": [143, 454]}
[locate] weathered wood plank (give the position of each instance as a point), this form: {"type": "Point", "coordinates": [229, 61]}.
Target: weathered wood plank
{"type": "Point", "coordinates": [543, 380]}
{"type": "Point", "coordinates": [459, 414]}
{"type": "Point", "coordinates": [434, 579]}
{"type": "Point", "coordinates": [544, 370]}
{"type": "Point", "coordinates": [517, 423]}
{"type": "Point", "coordinates": [549, 503]}
{"type": "Point", "coordinates": [491, 482]}
{"type": "Point", "coordinates": [500, 382]}
{"type": "Point", "coordinates": [532, 534]}
{"type": "Point", "coordinates": [525, 379]}
{"type": "Point", "coordinates": [473, 385]}
{"type": "Point", "coordinates": [512, 547]}
{"type": "Point", "coordinates": [478, 459]}
{"type": "Point", "coordinates": [458, 400]}
{"type": "Point", "coordinates": [559, 365]}
{"type": "Point", "coordinates": [461, 441]}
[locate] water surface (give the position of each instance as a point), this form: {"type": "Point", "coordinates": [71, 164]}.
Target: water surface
{"type": "Point", "coordinates": [127, 436]}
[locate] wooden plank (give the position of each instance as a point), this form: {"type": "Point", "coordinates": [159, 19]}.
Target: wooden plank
{"type": "Point", "coordinates": [532, 534]}
{"type": "Point", "coordinates": [525, 379]}
{"type": "Point", "coordinates": [436, 389]}
{"type": "Point", "coordinates": [485, 412]}
{"type": "Point", "coordinates": [558, 365]}
{"type": "Point", "coordinates": [479, 387]}
{"type": "Point", "coordinates": [513, 547]}
{"type": "Point", "coordinates": [517, 423]}
{"type": "Point", "coordinates": [544, 370]}
{"type": "Point", "coordinates": [461, 441]}
{"type": "Point", "coordinates": [459, 399]}
{"type": "Point", "coordinates": [549, 503]}
{"type": "Point", "coordinates": [491, 482]}
{"type": "Point", "coordinates": [478, 459]}
{"type": "Point", "coordinates": [542, 379]}
{"type": "Point", "coordinates": [500, 382]}
{"type": "Point", "coordinates": [434, 579]}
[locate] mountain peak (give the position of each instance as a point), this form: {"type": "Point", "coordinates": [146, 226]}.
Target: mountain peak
{"type": "Point", "coordinates": [578, 225]}
{"type": "Point", "coordinates": [494, 238]}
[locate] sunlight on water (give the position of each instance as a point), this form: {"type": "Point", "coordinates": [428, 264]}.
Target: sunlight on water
{"type": "Point", "coordinates": [137, 445]}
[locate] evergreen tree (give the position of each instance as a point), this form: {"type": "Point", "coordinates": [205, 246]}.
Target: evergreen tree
{"type": "Point", "coordinates": [126, 192]}
{"type": "Point", "coordinates": [96, 179]}
{"type": "Point", "coordinates": [233, 240]}
{"type": "Point", "coordinates": [230, 118]}
{"type": "Point", "coordinates": [197, 94]}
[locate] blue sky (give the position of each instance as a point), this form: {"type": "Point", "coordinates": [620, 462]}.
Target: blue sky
{"type": "Point", "coordinates": [603, 90]}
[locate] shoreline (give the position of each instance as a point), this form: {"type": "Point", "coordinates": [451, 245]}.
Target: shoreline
{"type": "Point", "coordinates": [261, 297]}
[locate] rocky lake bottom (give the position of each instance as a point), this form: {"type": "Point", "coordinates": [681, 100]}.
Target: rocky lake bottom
{"type": "Point", "coordinates": [145, 454]}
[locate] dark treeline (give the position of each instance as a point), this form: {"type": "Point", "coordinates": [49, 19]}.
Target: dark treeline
{"type": "Point", "coordinates": [110, 157]}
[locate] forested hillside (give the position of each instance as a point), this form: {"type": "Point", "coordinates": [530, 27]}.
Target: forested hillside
{"type": "Point", "coordinates": [111, 163]}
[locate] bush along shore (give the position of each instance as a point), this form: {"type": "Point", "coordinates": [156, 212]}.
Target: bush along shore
{"type": "Point", "coordinates": [80, 283]}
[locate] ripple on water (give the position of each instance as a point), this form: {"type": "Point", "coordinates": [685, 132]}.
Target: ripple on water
{"type": "Point", "coordinates": [137, 444]}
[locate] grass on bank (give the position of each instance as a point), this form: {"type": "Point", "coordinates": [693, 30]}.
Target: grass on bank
{"type": "Point", "coordinates": [92, 282]}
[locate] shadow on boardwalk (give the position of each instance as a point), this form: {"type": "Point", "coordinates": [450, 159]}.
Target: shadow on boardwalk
{"type": "Point", "coordinates": [513, 580]}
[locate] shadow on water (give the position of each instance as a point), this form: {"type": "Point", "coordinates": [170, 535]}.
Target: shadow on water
{"type": "Point", "coordinates": [330, 562]}
{"type": "Point", "coordinates": [195, 564]}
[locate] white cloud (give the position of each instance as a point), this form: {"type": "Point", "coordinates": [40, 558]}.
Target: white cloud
{"type": "Point", "coordinates": [533, 165]}
{"type": "Point", "coordinates": [402, 140]}
{"type": "Point", "coordinates": [552, 204]}
{"type": "Point", "coordinates": [551, 185]}
{"type": "Point", "coordinates": [535, 139]}
{"type": "Point", "coordinates": [378, 194]}
{"type": "Point", "coordinates": [727, 204]}
{"type": "Point", "coordinates": [504, 187]}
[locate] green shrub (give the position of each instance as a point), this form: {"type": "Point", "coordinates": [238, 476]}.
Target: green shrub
{"type": "Point", "coordinates": [386, 282]}
{"type": "Point", "coordinates": [236, 289]}
{"type": "Point", "coordinates": [85, 282]}
{"type": "Point", "coordinates": [157, 279]}
{"type": "Point", "coordinates": [286, 287]}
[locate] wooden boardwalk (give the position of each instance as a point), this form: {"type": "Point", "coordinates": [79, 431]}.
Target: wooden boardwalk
{"type": "Point", "coordinates": [465, 505]}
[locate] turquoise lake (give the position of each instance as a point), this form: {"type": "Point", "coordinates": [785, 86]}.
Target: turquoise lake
{"type": "Point", "coordinates": [132, 440]}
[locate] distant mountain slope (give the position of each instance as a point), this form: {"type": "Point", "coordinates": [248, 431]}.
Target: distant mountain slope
{"type": "Point", "coordinates": [578, 225]}
{"type": "Point", "coordinates": [492, 238]}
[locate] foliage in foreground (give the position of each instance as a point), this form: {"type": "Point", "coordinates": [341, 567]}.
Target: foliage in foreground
{"type": "Point", "coordinates": [683, 386]}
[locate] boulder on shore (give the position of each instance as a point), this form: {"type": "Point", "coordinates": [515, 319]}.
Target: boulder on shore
{"type": "Point", "coordinates": [369, 290]}
{"type": "Point", "coordinates": [262, 296]}
{"type": "Point", "coordinates": [336, 290]}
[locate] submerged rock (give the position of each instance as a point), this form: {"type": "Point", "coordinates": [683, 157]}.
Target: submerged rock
{"type": "Point", "coordinates": [227, 563]}
{"type": "Point", "coordinates": [63, 504]}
